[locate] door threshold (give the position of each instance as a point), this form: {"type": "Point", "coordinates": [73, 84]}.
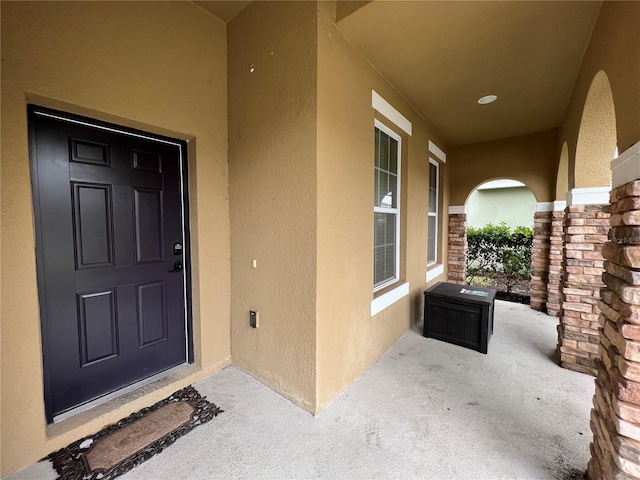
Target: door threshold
{"type": "Point", "coordinates": [118, 393]}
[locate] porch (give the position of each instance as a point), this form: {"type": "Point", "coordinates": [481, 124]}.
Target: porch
{"type": "Point", "coordinates": [426, 409]}
{"type": "Point", "coordinates": [278, 105]}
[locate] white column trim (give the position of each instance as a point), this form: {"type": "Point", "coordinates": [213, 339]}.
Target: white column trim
{"type": "Point", "coordinates": [386, 109]}
{"type": "Point", "coordinates": [588, 196]}
{"type": "Point", "coordinates": [626, 168]}
{"type": "Point", "coordinates": [437, 151]}
{"type": "Point", "coordinates": [457, 209]}
{"type": "Point", "coordinates": [544, 207]}
{"type": "Point", "coordinates": [551, 206]}
{"type": "Point", "coordinates": [559, 205]}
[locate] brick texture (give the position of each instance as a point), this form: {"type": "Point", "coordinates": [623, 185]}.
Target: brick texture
{"type": "Point", "coordinates": [457, 259]}
{"type": "Point", "coordinates": [615, 418]}
{"type": "Point", "coordinates": [556, 255]}
{"type": "Point", "coordinates": [540, 260]}
{"type": "Point", "coordinates": [586, 229]}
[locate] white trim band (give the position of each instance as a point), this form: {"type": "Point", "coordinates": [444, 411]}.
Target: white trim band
{"type": "Point", "coordinates": [544, 207]}
{"type": "Point", "coordinates": [437, 151]}
{"type": "Point", "coordinates": [559, 205]}
{"type": "Point", "coordinates": [555, 206]}
{"type": "Point", "coordinates": [386, 109]}
{"type": "Point", "coordinates": [383, 301]}
{"type": "Point", "coordinates": [588, 196]}
{"type": "Point", "coordinates": [626, 168]}
{"type": "Point", "coordinates": [435, 272]}
{"type": "Point", "coordinates": [457, 209]}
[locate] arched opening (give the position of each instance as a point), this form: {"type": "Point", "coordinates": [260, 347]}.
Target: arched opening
{"type": "Point", "coordinates": [498, 201]}
{"type": "Point", "coordinates": [585, 228]}
{"type": "Point", "coordinates": [500, 221]}
{"type": "Point", "coordinates": [597, 138]}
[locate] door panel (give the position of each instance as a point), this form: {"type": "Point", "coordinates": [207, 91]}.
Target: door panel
{"type": "Point", "coordinates": [98, 326]}
{"type": "Point", "coordinates": [93, 228]}
{"type": "Point", "coordinates": [152, 313]}
{"type": "Point", "coordinates": [109, 208]}
{"type": "Point", "coordinates": [146, 161]}
{"type": "Point", "coordinates": [84, 151]}
{"type": "Point", "coordinates": [148, 225]}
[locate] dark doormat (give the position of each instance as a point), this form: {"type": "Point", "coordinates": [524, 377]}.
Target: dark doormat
{"type": "Point", "coordinates": [122, 446]}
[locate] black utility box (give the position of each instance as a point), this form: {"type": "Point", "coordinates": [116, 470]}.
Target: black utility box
{"type": "Point", "coordinates": [459, 314]}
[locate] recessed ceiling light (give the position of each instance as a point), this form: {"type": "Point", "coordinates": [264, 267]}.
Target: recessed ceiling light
{"type": "Point", "coordinates": [487, 99]}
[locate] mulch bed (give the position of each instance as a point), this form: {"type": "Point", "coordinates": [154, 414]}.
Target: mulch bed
{"type": "Point", "coordinates": [520, 292]}
{"type": "Point", "coordinates": [513, 297]}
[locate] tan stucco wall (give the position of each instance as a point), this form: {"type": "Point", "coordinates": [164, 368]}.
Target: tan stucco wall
{"type": "Point", "coordinates": [530, 159]}
{"type": "Point", "coordinates": [562, 177]}
{"type": "Point", "coordinates": [614, 48]}
{"type": "Point", "coordinates": [272, 165]}
{"type": "Point", "coordinates": [160, 67]}
{"type": "Point", "coordinates": [301, 189]}
{"type": "Point", "coordinates": [597, 137]}
{"type": "Point", "coordinates": [348, 339]}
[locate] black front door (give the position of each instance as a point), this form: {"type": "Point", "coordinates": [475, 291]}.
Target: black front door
{"type": "Point", "coordinates": [111, 255]}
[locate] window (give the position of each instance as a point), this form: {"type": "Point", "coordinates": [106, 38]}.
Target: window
{"type": "Point", "coordinates": [432, 222]}
{"type": "Point", "coordinates": [386, 207]}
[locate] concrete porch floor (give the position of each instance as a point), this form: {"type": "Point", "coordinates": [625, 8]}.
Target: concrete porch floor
{"type": "Point", "coordinates": [426, 409]}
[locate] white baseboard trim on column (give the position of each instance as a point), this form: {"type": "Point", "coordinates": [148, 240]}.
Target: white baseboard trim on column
{"type": "Point", "coordinates": [544, 207]}
{"type": "Point", "coordinates": [626, 168]}
{"type": "Point", "coordinates": [559, 205]}
{"type": "Point", "coordinates": [588, 196]}
{"type": "Point", "coordinates": [457, 209]}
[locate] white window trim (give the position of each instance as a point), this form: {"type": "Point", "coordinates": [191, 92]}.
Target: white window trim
{"type": "Point", "coordinates": [432, 214]}
{"type": "Point", "coordinates": [382, 127]}
{"type": "Point", "coordinates": [386, 109]}
{"type": "Point", "coordinates": [437, 151]}
{"type": "Point", "coordinates": [383, 301]}
{"type": "Point", "coordinates": [435, 272]}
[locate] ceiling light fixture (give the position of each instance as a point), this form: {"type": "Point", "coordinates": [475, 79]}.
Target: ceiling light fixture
{"type": "Point", "coordinates": [487, 99]}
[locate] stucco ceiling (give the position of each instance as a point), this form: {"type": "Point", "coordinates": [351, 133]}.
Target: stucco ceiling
{"type": "Point", "coordinates": [224, 10]}
{"type": "Point", "coordinates": [444, 56]}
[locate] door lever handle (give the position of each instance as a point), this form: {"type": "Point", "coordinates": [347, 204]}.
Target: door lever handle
{"type": "Point", "coordinates": [177, 266]}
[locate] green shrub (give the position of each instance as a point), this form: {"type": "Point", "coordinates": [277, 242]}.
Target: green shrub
{"type": "Point", "coordinates": [495, 249]}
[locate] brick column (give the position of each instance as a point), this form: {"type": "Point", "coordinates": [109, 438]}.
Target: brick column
{"type": "Point", "coordinates": [540, 259]}
{"type": "Point", "coordinates": [457, 260]}
{"type": "Point", "coordinates": [615, 418]}
{"type": "Point", "coordinates": [585, 232]}
{"type": "Point", "coordinates": [556, 255]}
